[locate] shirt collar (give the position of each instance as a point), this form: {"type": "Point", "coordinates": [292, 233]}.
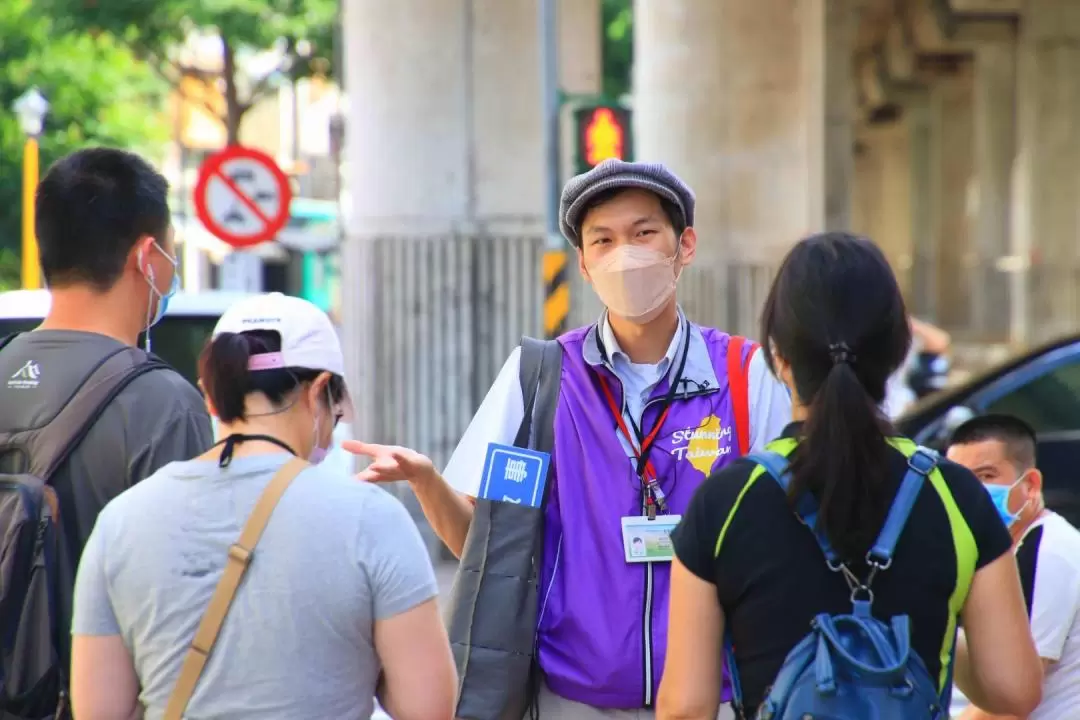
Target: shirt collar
{"type": "Point", "coordinates": [616, 354]}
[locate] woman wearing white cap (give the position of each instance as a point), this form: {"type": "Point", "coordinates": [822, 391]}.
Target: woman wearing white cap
{"type": "Point", "coordinates": [336, 587]}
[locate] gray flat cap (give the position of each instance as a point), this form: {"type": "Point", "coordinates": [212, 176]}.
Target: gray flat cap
{"type": "Point", "coordinates": [610, 174]}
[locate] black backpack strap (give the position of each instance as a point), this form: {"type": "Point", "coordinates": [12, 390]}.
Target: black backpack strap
{"type": "Point", "coordinates": [7, 339]}
{"type": "Point", "coordinates": [50, 446]}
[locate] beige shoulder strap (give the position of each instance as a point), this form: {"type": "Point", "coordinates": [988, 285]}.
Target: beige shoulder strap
{"type": "Point", "coordinates": [235, 566]}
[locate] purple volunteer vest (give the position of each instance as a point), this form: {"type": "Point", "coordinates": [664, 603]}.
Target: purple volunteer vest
{"type": "Point", "coordinates": [602, 626]}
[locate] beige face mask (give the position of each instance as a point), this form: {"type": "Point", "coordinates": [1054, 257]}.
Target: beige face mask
{"type": "Point", "coordinates": [635, 282]}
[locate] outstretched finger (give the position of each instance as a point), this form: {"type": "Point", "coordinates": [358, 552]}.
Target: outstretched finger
{"type": "Point", "coordinates": [358, 447]}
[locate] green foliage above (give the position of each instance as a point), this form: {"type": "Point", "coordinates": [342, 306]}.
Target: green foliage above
{"type": "Point", "coordinates": [98, 95]}
{"type": "Point", "coordinates": [302, 29]}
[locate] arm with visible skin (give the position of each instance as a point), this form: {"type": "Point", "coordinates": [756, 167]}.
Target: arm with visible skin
{"type": "Point", "coordinates": [932, 338]}
{"type": "Point", "coordinates": [445, 498]}
{"type": "Point", "coordinates": [103, 681]}
{"type": "Point", "coordinates": [449, 512]}
{"type": "Point", "coordinates": [104, 684]}
{"type": "Point", "coordinates": [690, 687]}
{"type": "Point", "coordinates": [997, 666]}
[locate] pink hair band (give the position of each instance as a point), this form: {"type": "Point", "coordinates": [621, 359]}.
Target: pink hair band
{"type": "Point", "coordinates": [266, 361]}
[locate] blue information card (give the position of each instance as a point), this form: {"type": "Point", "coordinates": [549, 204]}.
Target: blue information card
{"type": "Point", "coordinates": [514, 475]}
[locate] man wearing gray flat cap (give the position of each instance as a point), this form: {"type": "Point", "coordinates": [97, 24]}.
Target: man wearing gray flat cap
{"type": "Point", "coordinates": [635, 411]}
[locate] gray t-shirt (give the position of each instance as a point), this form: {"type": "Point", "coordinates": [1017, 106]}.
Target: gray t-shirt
{"type": "Point", "coordinates": [336, 556]}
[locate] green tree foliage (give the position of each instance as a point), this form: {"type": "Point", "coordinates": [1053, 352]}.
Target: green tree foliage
{"type": "Point", "coordinates": [98, 95]}
{"type": "Point", "coordinates": [618, 46]}
{"type": "Point", "coordinates": [302, 30]}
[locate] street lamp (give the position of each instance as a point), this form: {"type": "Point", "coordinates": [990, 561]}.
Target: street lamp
{"type": "Point", "coordinates": [30, 108]}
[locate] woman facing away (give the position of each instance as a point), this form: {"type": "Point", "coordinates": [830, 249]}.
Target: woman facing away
{"type": "Point", "coordinates": [338, 589]}
{"type": "Point", "coordinates": [834, 328]}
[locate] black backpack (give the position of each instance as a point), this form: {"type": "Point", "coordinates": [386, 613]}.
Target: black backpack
{"type": "Point", "coordinates": [33, 681]}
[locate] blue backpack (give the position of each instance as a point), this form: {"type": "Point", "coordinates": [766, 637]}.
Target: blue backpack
{"type": "Point", "coordinates": [853, 667]}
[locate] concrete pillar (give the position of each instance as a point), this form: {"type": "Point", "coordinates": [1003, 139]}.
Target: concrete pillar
{"type": "Point", "coordinates": [922, 298]}
{"type": "Point", "coordinates": [995, 150]}
{"type": "Point", "coordinates": [752, 104]}
{"type": "Point", "coordinates": [445, 220]}
{"type": "Point", "coordinates": [952, 150]}
{"type": "Point", "coordinates": [1047, 181]}
{"type": "Point", "coordinates": [882, 192]}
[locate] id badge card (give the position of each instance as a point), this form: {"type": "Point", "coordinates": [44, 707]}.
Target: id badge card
{"type": "Point", "coordinates": [646, 540]}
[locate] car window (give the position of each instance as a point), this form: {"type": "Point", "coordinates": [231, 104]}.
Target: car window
{"type": "Point", "coordinates": [1049, 403]}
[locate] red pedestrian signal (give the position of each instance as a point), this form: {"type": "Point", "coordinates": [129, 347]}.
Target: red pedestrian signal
{"type": "Point", "coordinates": [603, 132]}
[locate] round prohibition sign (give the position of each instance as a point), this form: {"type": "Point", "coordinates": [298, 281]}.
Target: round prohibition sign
{"type": "Point", "coordinates": [242, 196]}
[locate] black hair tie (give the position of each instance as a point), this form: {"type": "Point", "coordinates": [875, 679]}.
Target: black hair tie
{"type": "Point", "coordinates": [841, 354]}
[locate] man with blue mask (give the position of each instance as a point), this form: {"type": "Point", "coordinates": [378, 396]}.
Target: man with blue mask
{"type": "Point", "coordinates": [1000, 450]}
{"type": "Point", "coordinates": [109, 260]}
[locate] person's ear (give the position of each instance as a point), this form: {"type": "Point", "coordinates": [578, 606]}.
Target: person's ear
{"type": "Point", "coordinates": [1034, 482]}
{"type": "Point", "coordinates": [317, 391]}
{"type": "Point", "coordinates": [206, 399]}
{"type": "Point", "coordinates": [142, 254]}
{"type": "Point", "coordinates": [687, 246]}
{"type": "Point", "coordinates": [581, 265]}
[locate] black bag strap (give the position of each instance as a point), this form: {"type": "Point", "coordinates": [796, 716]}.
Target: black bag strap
{"type": "Point", "coordinates": [540, 374]}
{"type": "Point", "coordinates": [50, 446]}
{"type": "Point", "coordinates": [7, 339]}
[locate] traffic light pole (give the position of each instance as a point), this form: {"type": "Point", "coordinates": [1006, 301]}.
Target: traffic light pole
{"type": "Point", "coordinates": [556, 274]}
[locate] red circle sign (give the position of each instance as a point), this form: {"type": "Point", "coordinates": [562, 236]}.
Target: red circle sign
{"type": "Point", "coordinates": [242, 196]}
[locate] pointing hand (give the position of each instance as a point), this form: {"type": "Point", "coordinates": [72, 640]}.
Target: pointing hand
{"type": "Point", "coordinates": [390, 463]}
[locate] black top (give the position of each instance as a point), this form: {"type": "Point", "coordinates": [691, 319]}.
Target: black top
{"type": "Point", "coordinates": [771, 577]}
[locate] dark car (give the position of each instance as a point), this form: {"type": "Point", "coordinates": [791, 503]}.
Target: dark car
{"type": "Point", "coordinates": [1042, 387]}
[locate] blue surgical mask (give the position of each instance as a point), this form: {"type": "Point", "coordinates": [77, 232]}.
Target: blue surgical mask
{"type": "Point", "coordinates": [999, 495]}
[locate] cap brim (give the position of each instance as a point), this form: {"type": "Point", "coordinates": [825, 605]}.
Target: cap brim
{"type": "Point", "coordinates": [623, 182]}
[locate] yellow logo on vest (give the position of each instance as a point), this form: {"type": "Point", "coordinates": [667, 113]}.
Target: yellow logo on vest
{"type": "Point", "coordinates": [702, 445]}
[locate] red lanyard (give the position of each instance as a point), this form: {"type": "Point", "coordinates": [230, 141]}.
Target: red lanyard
{"type": "Point", "coordinates": [654, 496]}
{"type": "Point", "coordinates": [646, 443]}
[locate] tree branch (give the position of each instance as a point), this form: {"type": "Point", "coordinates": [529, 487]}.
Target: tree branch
{"type": "Point", "coordinates": [174, 72]}
{"type": "Point", "coordinates": [262, 86]}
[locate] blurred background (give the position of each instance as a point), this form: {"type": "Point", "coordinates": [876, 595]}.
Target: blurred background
{"type": "Point", "coordinates": [422, 140]}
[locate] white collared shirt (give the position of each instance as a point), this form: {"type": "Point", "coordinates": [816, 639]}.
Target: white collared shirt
{"type": "Point", "coordinates": [638, 379]}
{"type": "Point", "coordinates": [503, 409]}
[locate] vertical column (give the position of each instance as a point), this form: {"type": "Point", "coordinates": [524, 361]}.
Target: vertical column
{"type": "Point", "coordinates": [995, 148]}
{"type": "Point", "coordinates": [751, 103]}
{"type": "Point", "coordinates": [923, 300]}
{"type": "Point", "coordinates": [882, 189]}
{"type": "Point", "coordinates": [445, 222]}
{"type": "Point", "coordinates": [1047, 181]}
{"type": "Point", "coordinates": [952, 150]}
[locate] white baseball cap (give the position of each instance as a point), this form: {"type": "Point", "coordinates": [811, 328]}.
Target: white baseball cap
{"type": "Point", "coordinates": [308, 338]}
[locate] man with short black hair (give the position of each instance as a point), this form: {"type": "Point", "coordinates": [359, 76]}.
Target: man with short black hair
{"type": "Point", "coordinates": [649, 404]}
{"type": "Point", "coordinates": [109, 261]}
{"type": "Point", "coordinates": [1000, 450]}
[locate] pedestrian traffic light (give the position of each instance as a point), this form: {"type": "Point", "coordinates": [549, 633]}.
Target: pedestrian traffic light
{"type": "Point", "coordinates": [602, 132]}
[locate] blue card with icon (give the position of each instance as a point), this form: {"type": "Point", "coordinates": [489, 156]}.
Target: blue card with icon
{"type": "Point", "coordinates": [514, 475]}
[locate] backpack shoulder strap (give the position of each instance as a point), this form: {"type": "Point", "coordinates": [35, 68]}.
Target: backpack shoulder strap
{"type": "Point", "coordinates": [540, 376]}
{"type": "Point", "coordinates": [50, 446]}
{"type": "Point", "coordinates": [236, 564]}
{"type": "Point", "coordinates": [7, 339]}
{"type": "Point", "coordinates": [806, 508]}
{"type": "Point", "coordinates": [738, 374]}
{"type": "Point", "coordinates": [920, 464]}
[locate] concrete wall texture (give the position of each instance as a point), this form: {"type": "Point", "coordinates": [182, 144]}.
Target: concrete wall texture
{"type": "Point", "coordinates": [944, 129]}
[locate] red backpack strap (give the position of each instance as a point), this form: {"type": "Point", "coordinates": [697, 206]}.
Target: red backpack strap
{"type": "Point", "coordinates": [738, 374]}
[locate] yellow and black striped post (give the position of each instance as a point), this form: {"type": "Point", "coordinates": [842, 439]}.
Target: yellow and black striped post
{"type": "Point", "coordinates": [556, 293]}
